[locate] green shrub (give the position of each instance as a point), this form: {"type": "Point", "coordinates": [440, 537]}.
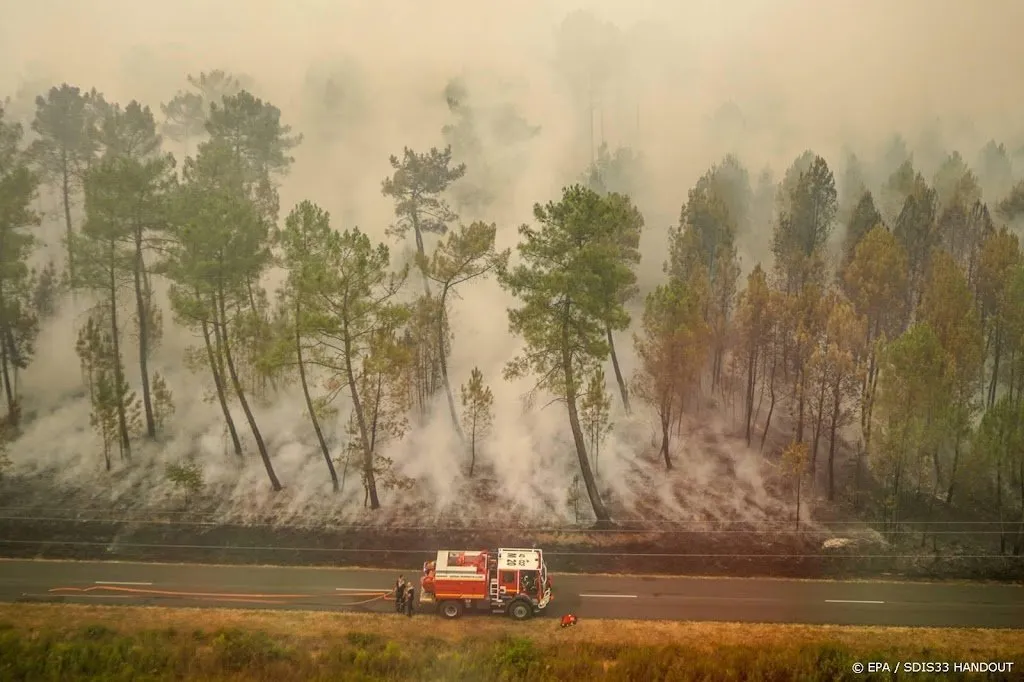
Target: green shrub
{"type": "Point", "coordinates": [97, 652]}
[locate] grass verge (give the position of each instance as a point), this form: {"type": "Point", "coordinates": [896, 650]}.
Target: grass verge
{"type": "Point", "coordinates": [71, 642]}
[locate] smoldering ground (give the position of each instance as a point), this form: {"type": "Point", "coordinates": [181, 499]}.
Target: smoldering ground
{"type": "Point", "coordinates": [681, 86]}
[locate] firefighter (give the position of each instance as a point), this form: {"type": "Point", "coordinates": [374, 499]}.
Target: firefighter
{"type": "Point", "coordinates": [399, 593]}
{"type": "Point", "coordinates": [410, 594]}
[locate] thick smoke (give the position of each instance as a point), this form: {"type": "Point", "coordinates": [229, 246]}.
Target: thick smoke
{"type": "Point", "coordinates": [681, 87]}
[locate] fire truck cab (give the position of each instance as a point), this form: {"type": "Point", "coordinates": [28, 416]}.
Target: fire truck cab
{"type": "Point", "coordinates": [507, 581]}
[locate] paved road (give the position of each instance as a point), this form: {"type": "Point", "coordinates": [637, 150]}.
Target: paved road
{"type": "Point", "coordinates": [738, 600]}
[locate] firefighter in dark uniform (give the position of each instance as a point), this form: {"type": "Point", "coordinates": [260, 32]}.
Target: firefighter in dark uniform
{"type": "Point", "coordinates": [410, 594]}
{"type": "Point", "coordinates": [400, 593]}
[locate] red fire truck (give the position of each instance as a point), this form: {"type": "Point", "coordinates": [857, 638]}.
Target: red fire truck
{"type": "Point", "coordinates": [512, 581]}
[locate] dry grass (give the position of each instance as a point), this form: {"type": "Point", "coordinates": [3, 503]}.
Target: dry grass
{"type": "Point", "coordinates": [315, 629]}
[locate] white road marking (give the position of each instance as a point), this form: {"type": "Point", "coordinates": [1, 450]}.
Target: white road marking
{"type": "Point", "coordinates": [611, 596]}
{"type": "Point", "coordinates": [853, 601]}
{"type": "Point", "coordinates": [79, 596]}
{"type": "Point", "coordinates": [116, 582]}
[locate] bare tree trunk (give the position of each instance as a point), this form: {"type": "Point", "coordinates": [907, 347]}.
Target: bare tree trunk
{"type": "Point", "coordinates": [420, 249]}
{"type": "Point", "coordinates": [240, 392]}
{"type": "Point", "coordinates": [600, 511]}
{"type": "Point", "coordinates": [798, 487]}
{"type": "Point", "coordinates": [997, 343]}
{"type": "Point", "coordinates": [218, 382]}
{"type": "Point", "coordinates": [801, 386]}
{"type": "Point", "coordinates": [819, 417]}
{"type": "Point", "coordinates": [472, 445]}
{"type": "Point", "coordinates": [142, 310]}
{"type": "Point", "coordinates": [1018, 544]}
{"type": "Point", "coordinates": [122, 419]}
{"type": "Point", "coordinates": [771, 403]}
{"type": "Point", "coordinates": [8, 390]}
{"type": "Point", "coordinates": [953, 470]}
{"type": "Point", "coordinates": [999, 505]}
{"type": "Point", "coordinates": [6, 359]}
{"type": "Point", "coordinates": [370, 481]}
{"type": "Point", "coordinates": [623, 391]}
{"type": "Point", "coordinates": [444, 365]}
{"type": "Point", "coordinates": [66, 195]}
{"type": "Point", "coordinates": [836, 405]}
{"type": "Point", "coordinates": [665, 421]}
{"type": "Point", "coordinates": [324, 450]}
{"type": "Point", "coordinates": [751, 385]}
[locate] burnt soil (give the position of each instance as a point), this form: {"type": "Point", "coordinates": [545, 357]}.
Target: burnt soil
{"type": "Point", "coordinates": [780, 554]}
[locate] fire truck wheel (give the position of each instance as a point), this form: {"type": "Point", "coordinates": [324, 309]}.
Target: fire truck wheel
{"type": "Point", "coordinates": [520, 610]}
{"type": "Point", "coordinates": [451, 609]}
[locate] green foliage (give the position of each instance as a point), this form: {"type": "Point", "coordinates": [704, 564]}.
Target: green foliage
{"type": "Point", "coordinates": [477, 412]}
{"type": "Point", "coordinates": [186, 477]}
{"type": "Point", "coordinates": [614, 172]}
{"type": "Point", "coordinates": [573, 268]}
{"type": "Point", "coordinates": [703, 246]}
{"type": "Point", "coordinates": [706, 232]}
{"type": "Point", "coordinates": [385, 401]}
{"type": "Point", "coordinates": [954, 182]}
{"type": "Point", "coordinates": [252, 130]}
{"type": "Point", "coordinates": [220, 239]}
{"type": "Point", "coordinates": [48, 287]}
{"type": "Point", "coordinates": [115, 408]}
{"type": "Point", "coordinates": [355, 320]}
{"type": "Point", "coordinates": [214, 86]}
{"type": "Point", "coordinates": [853, 186]}
{"type": "Point", "coordinates": [467, 254]}
{"type": "Point", "coordinates": [574, 496]}
{"type": "Point", "coordinates": [97, 653]}
{"type": "Point", "coordinates": [19, 317]}
{"type": "Point", "coordinates": [517, 658]}
{"type": "Point", "coordinates": [794, 460]}
{"type": "Point", "coordinates": [416, 186]}
{"type": "Point", "coordinates": [899, 185]}
{"type": "Point", "coordinates": [863, 219]}
{"type": "Point", "coordinates": [995, 171]}
{"type": "Point", "coordinates": [913, 390]}
{"type": "Point", "coordinates": [671, 350]}
{"type": "Point", "coordinates": [915, 229]}
{"type": "Point", "coordinates": [241, 650]}
{"type": "Point", "coordinates": [126, 195]}
{"type": "Point", "coordinates": [805, 224]}
{"type": "Point", "coordinates": [163, 402]}
{"type": "Point", "coordinates": [595, 415]}
{"type": "Point", "coordinates": [185, 116]}
{"type": "Point", "coordinates": [130, 132]}
{"type": "Point", "coordinates": [220, 249]}
{"type": "Point", "coordinates": [5, 460]}
{"type": "Point", "coordinates": [66, 122]}
{"type": "Point", "coordinates": [1012, 206]}
{"type": "Point", "coordinates": [571, 264]}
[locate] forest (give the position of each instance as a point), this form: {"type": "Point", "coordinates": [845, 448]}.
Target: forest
{"type": "Point", "coordinates": [853, 326]}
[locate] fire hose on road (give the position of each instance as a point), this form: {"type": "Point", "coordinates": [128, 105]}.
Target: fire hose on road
{"type": "Point", "coordinates": [223, 596]}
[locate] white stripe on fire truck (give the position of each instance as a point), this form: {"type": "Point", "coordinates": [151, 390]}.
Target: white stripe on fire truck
{"type": "Point", "coordinates": [611, 596]}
